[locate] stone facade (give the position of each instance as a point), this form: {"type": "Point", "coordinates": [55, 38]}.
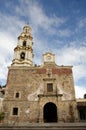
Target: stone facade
{"type": "Point", "coordinates": [39, 93]}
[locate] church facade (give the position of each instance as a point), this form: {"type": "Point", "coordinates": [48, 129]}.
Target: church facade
{"type": "Point", "coordinates": [34, 93]}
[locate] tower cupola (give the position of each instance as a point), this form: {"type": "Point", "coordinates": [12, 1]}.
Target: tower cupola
{"type": "Point", "coordinates": [23, 53]}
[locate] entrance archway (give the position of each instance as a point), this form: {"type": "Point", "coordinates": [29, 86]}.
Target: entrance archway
{"type": "Point", "coordinates": [50, 112]}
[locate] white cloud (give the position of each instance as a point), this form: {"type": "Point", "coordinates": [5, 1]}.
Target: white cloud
{"type": "Point", "coordinates": [10, 24]}
{"type": "Point", "coordinates": [79, 72]}
{"type": "Point", "coordinates": [82, 23]}
{"type": "Point", "coordinates": [6, 54]}
{"type": "Point", "coordinates": [36, 15]}
{"type": "Point", "coordinates": [65, 33]}
{"type": "Point", "coordinates": [75, 57]}
{"type": "Point", "coordinates": [71, 55]}
{"type": "Point", "coordinates": [7, 42]}
{"type": "Point", "coordinates": [80, 91]}
{"type": "Point", "coordinates": [40, 19]}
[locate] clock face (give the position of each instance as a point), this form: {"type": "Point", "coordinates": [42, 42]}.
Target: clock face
{"type": "Point", "coordinates": [48, 57]}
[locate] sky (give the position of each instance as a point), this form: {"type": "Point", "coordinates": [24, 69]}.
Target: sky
{"type": "Point", "coordinates": [58, 26]}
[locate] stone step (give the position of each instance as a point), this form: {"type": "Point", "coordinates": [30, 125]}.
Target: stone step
{"type": "Point", "coordinates": [47, 126]}
{"type": "Point", "coordinates": [43, 129]}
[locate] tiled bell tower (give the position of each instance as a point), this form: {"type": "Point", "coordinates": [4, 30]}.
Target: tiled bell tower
{"type": "Point", "coordinates": [23, 53]}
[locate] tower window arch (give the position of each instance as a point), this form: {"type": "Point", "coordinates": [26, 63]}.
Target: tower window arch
{"type": "Point", "coordinates": [22, 56]}
{"type": "Point", "coordinates": [24, 43]}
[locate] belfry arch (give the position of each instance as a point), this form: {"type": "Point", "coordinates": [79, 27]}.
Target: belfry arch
{"type": "Point", "coordinates": [50, 112]}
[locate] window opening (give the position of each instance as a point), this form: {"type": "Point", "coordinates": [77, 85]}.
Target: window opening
{"type": "Point", "coordinates": [82, 115]}
{"type": "Point", "coordinates": [50, 113]}
{"type": "Point", "coordinates": [50, 87]}
{"type": "Point", "coordinates": [24, 43]}
{"type": "Point", "coordinates": [17, 95]}
{"type": "Point", "coordinates": [22, 55]}
{"type": "Point", "coordinates": [84, 95]}
{"type": "Point", "coordinates": [15, 111]}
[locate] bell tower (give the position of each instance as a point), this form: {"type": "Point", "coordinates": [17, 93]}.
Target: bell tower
{"type": "Point", "coordinates": [23, 53]}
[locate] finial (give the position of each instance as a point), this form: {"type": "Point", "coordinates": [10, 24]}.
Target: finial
{"type": "Point", "coordinates": [27, 23]}
{"type": "Point", "coordinates": [27, 28]}
{"type": "Point", "coordinates": [48, 50]}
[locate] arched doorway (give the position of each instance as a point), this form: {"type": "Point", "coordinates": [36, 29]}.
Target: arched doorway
{"type": "Point", "coordinates": [50, 112]}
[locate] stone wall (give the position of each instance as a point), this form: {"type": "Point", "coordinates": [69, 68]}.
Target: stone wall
{"type": "Point", "coordinates": [31, 84]}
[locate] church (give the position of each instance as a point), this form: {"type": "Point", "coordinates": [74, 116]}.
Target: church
{"type": "Point", "coordinates": [38, 94]}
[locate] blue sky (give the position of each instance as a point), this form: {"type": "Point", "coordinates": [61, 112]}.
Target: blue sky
{"type": "Point", "coordinates": [58, 26]}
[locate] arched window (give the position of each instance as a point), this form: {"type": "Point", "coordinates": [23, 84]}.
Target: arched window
{"type": "Point", "coordinates": [24, 43]}
{"type": "Point", "coordinates": [50, 112]}
{"type": "Point", "coordinates": [17, 95]}
{"type": "Point", "coordinates": [22, 55]}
